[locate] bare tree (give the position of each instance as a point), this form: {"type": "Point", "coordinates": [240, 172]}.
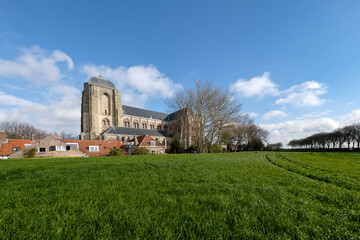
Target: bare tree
{"type": "Point", "coordinates": [19, 130]}
{"type": "Point", "coordinates": [208, 109]}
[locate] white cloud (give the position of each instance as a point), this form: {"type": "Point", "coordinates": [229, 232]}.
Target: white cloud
{"type": "Point", "coordinates": [9, 100]}
{"type": "Point", "coordinates": [274, 113]}
{"type": "Point", "coordinates": [36, 65]}
{"type": "Point", "coordinates": [305, 94]}
{"type": "Point", "coordinates": [252, 114]}
{"type": "Point", "coordinates": [256, 86]}
{"type": "Point", "coordinates": [289, 130]}
{"type": "Point", "coordinates": [139, 81]}
{"type": "Point", "coordinates": [59, 115]}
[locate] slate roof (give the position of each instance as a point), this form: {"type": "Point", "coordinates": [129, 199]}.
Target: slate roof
{"type": "Point", "coordinates": [133, 111]}
{"type": "Point", "coordinates": [137, 131]}
{"type": "Point", "coordinates": [101, 81]}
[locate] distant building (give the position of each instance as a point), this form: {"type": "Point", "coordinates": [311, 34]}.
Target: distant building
{"type": "Point", "coordinates": [104, 117]}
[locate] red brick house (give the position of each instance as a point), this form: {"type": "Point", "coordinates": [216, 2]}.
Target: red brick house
{"type": "Point", "coordinates": [51, 146]}
{"type": "Point", "coordinates": [145, 141]}
{"type": "Point", "coordinates": [94, 148]}
{"type": "Point", "coordinates": [10, 146]}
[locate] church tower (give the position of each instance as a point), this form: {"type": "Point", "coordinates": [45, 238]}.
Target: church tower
{"type": "Point", "coordinates": [100, 107]}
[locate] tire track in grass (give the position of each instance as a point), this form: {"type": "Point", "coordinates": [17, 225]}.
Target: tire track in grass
{"type": "Point", "coordinates": [357, 180]}
{"type": "Point", "coordinates": [309, 176]}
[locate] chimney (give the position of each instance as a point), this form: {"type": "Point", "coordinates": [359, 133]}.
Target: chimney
{"type": "Point", "coordinates": [3, 137]}
{"type": "Point", "coordinates": [135, 139]}
{"type": "Point", "coordinates": [56, 135]}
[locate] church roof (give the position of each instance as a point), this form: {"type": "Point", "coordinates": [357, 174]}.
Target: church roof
{"type": "Point", "coordinates": [101, 82]}
{"type": "Point", "coordinates": [137, 131]}
{"type": "Point", "coordinates": [139, 112]}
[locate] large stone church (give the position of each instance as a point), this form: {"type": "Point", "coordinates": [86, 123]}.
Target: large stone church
{"type": "Point", "coordinates": [103, 117]}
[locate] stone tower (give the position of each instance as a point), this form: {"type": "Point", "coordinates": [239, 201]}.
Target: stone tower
{"type": "Point", "coordinates": [100, 107]}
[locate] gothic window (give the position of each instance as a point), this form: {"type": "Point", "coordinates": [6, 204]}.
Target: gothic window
{"type": "Point", "coordinates": [136, 124]}
{"type": "Point", "coordinates": [152, 126]}
{"type": "Point", "coordinates": [144, 125]}
{"type": "Point", "coordinates": [126, 122]}
{"type": "Point", "coordinates": [158, 127]}
{"type": "Point", "coordinates": [106, 122]}
{"type": "Point", "coordinates": [165, 127]}
{"type": "Point", "coordinates": [105, 104]}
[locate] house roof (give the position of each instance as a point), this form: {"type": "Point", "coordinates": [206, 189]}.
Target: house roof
{"type": "Point", "coordinates": [137, 131]}
{"type": "Point", "coordinates": [101, 82]}
{"type": "Point", "coordinates": [104, 146]}
{"type": "Point", "coordinates": [6, 149]}
{"type": "Point", "coordinates": [144, 141]}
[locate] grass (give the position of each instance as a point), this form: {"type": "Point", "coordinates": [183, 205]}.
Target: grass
{"type": "Point", "coordinates": [252, 195]}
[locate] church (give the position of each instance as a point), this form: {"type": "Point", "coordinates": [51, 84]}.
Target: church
{"type": "Point", "coordinates": [103, 117]}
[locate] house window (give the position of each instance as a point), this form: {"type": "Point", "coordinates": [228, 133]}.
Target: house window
{"type": "Point", "coordinates": [60, 148]}
{"type": "Point", "coordinates": [165, 127]}
{"type": "Point", "coordinates": [153, 152]}
{"type": "Point", "coordinates": [152, 126]}
{"type": "Point", "coordinates": [144, 126]}
{"type": "Point", "coordinates": [73, 145]}
{"type": "Point", "coordinates": [152, 144]}
{"type": "Point", "coordinates": [104, 123]}
{"type": "Point", "coordinates": [136, 125]}
{"type": "Point", "coordinates": [94, 149]}
{"type": "Point", "coordinates": [41, 149]}
{"type": "Point", "coordinates": [16, 148]}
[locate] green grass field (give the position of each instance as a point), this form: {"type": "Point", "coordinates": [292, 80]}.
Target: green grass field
{"type": "Point", "coordinates": [250, 195]}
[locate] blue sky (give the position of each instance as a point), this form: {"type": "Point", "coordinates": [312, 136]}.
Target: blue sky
{"type": "Point", "coordinates": [295, 65]}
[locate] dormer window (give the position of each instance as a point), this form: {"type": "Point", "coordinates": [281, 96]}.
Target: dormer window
{"type": "Point", "coordinates": [94, 149]}
{"type": "Point", "coordinates": [16, 149]}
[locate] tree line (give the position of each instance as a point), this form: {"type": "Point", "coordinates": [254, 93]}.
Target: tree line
{"type": "Point", "coordinates": [23, 130]}
{"type": "Point", "coordinates": [341, 138]}
{"type": "Point", "coordinates": [210, 115]}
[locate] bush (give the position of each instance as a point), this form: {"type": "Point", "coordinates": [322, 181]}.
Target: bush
{"type": "Point", "coordinates": [117, 152]}
{"type": "Point", "coordinates": [30, 153]}
{"type": "Point", "coordinates": [191, 149]}
{"type": "Point", "coordinates": [141, 151]}
{"type": "Point", "coordinates": [175, 146]}
{"type": "Point", "coordinates": [216, 148]}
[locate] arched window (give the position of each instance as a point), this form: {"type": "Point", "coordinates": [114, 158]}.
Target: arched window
{"type": "Point", "coordinates": [106, 122]}
{"type": "Point", "coordinates": [152, 126]}
{"type": "Point", "coordinates": [136, 124]}
{"type": "Point", "coordinates": [158, 127]}
{"type": "Point", "coordinates": [165, 127]}
{"type": "Point", "coordinates": [126, 122]}
{"type": "Point", "coordinates": [105, 104]}
{"type": "Point", "coordinates": [144, 125]}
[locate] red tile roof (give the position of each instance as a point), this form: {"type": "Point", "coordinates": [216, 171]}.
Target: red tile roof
{"type": "Point", "coordinates": [144, 141]}
{"type": "Point", "coordinates": [6, 149]}
{"type": "Point", "coordinates": [104, 146]}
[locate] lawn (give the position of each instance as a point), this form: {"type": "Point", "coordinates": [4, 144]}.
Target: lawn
{"type": "Point", "coordinates": [248, 195]}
